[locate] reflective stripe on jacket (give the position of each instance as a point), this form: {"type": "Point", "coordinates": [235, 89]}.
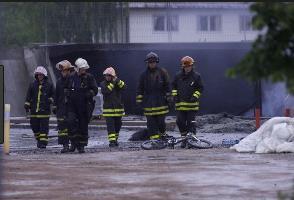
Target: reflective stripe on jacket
{"type": "Point", "coordinates": [154, 86]}
{"type": "Point", "coordinates": [187, 89]}
{"type": "Point", "coordinates": [112, 98]}
{"type": "Point", "coordinates": [40, 97]}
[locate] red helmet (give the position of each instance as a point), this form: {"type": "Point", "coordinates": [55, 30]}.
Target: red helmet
{"type": "Point", "coordinates": [187, 61]}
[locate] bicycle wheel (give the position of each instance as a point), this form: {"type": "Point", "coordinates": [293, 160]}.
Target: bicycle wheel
{"type": "Point", "coordinates": [199, 143]}
{"type": "Point", "coordinates": [153, 145]}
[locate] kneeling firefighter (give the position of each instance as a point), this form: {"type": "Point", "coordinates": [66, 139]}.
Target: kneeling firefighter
{"type": "Point", "coordinates": [113, 108]}
{"type": "Point", "coordinates": [80, 88]}
{"type": "Point", "coordinates": [38, 100]}
{"type": "Point", "coordinates": [60, 107]}
{"type": "Point", "coordinates": [186, 90]}
{"type": "Point", "coordinates": [154, 95]}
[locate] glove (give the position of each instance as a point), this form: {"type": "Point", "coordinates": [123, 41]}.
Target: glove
{"type": "Point", "coordinates": [89, 94]}
{"type": "Point", "coordinates": [176, 99]}
{"type": "Point", "coordinates": [51, 101]}
{"type": "Point", "coordinates": [27, 107]}
{"type": "Point", "coordinates": [54, 110]}
{"type": "Point", "coordinates": [170, 99]}
{"type": "Point", "coordinates": [66, 92]}
{"type": "Point", "coordinates": [170, 105]}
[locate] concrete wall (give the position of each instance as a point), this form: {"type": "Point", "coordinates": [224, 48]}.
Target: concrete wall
{"type": "Point", "coordinates": [16, 79]}
{"type": "Point", "coordinates": [19, 65]}
{"type": "Point", "coordinates": [141, 26]}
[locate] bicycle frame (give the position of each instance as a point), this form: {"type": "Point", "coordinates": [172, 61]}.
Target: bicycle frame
{"type": "Point", "coordinates": [172, 141]}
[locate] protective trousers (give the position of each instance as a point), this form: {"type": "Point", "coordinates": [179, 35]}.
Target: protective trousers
{"type": "Point", "coordinates": [40, 127]}
{"type": "Point", "coordinates": [62, 131]}
{"type": "Point", "coordinates": [78, 121]}
{"type": "Point", "coordinates": [184, 122]}
{"type": "Point", "coordinates": [113, 127]}
{"type": "Point", "coordinates": [156, 126]}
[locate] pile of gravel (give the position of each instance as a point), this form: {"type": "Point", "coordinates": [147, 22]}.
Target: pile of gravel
{"type": "Point", "coordinates": [224, 123]}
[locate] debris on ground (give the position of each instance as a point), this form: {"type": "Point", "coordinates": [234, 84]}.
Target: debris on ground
{"type": "Point", "coordinates": [224, 123]}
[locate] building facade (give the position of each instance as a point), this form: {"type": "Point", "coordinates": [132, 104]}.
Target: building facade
{"type": "Point", "coordinates": [190, 22]}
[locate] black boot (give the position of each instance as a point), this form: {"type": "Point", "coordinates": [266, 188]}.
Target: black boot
{"type": "Point", "coordinates": [112, 144]}
{"type": "Point", "coordinates": [72, 148]}
{"type": "Point", "coordinates": [116, 143]}
{"type": "Point", "coordinates": [183, 144]}
{"type": "Point", "coordinates": [81, 149]}
{"type": "Point", "coordinates": [65, 149]}
{"type": "Point", "coordinates": [42, 146]}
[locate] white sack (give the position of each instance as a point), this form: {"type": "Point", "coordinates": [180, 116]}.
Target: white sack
{"type": "Point", "coordinates": [275, 136]}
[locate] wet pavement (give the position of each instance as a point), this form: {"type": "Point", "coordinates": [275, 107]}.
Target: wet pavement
{"type": "Point", "coordinates": [128, 172]}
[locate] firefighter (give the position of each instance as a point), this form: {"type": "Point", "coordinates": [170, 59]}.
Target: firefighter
{"type": "Point", "coordinates": [154, 96]}
{"type": "Point", "coordinates": [80, 88]}
{"type": "Point", "coordinates": [186, 90]}
{"type": "Point", "coordinates": [113, 108]}
{"type": "Point", "coordinates": [60, 107]}
{"type": "Point", "coordinates": [38, 102]}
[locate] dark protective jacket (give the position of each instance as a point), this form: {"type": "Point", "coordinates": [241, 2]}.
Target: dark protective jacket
{"type": "Point", "coordinates": [81, 89]}
{"type": "Point", "coordinates": [59, 99]}
{"type": "Point", "coordinates": [187, 88]}
{"type": "Point", "coordinates": [112, 99]}
{"type": "Point", "coordinates": [153, 90]}
{"type": "Point", "coordinates": [39, 97]}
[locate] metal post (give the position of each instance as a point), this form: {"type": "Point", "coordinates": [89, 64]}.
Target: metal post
{"type": "Point", "coordinates": [6, 128]}
{"type": "Point", "coordinates": [258, 104]}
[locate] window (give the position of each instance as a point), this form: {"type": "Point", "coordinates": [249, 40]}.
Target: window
{"type": "Point", "coordinates": [245, 23]}
{"type": "Point", "coordinates": [158, 23]}
{"type": "Point", "coordinates": [209, 23]}
{"type": "Point", "coordinates": [215, 23]}
{"type": "Point", "coordinates": [203, 23]}
{"type": "Point", "coordinates": [173, 23]}
{"type": "Point", "coordinates": [166, 23]}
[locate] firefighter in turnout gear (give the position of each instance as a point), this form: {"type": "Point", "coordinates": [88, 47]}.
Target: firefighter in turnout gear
{"type": "Point", "coordinates": [38, 101]}
{"type": "Point", "coordinates": [60, 107]}
{"type": "Point", "coordinates": [113, 108]}
{"type": "Point", "coordinates": [154, 96]}
{"type": "Point", "coordinates": [186, 90]}
{"type": "Point", "coordinates": [80, 88]}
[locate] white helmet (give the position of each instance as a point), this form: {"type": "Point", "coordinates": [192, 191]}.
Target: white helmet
{"type": "Point", "coordinates": [82, 63]}
{"type": "Point", "coordinates": [109, 71]}
{"type": "Point", "coordinates": [65, 64]}
{"type": "Point", "coordinates": [40, 70]}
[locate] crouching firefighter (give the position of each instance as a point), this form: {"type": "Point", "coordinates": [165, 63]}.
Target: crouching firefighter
{"type": "Point", "coordinates": [80, 88]}
{"type": "Point", "coordinates": [113, 108]}
{"type": "Point", "coordinates": [153, 94]}
{"type": "Point", "coordinates": [186, 90]}
{"type": "Point", "coordinates": [38, 100]}
{"type": "Point", "coordinates": [60, 107]}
